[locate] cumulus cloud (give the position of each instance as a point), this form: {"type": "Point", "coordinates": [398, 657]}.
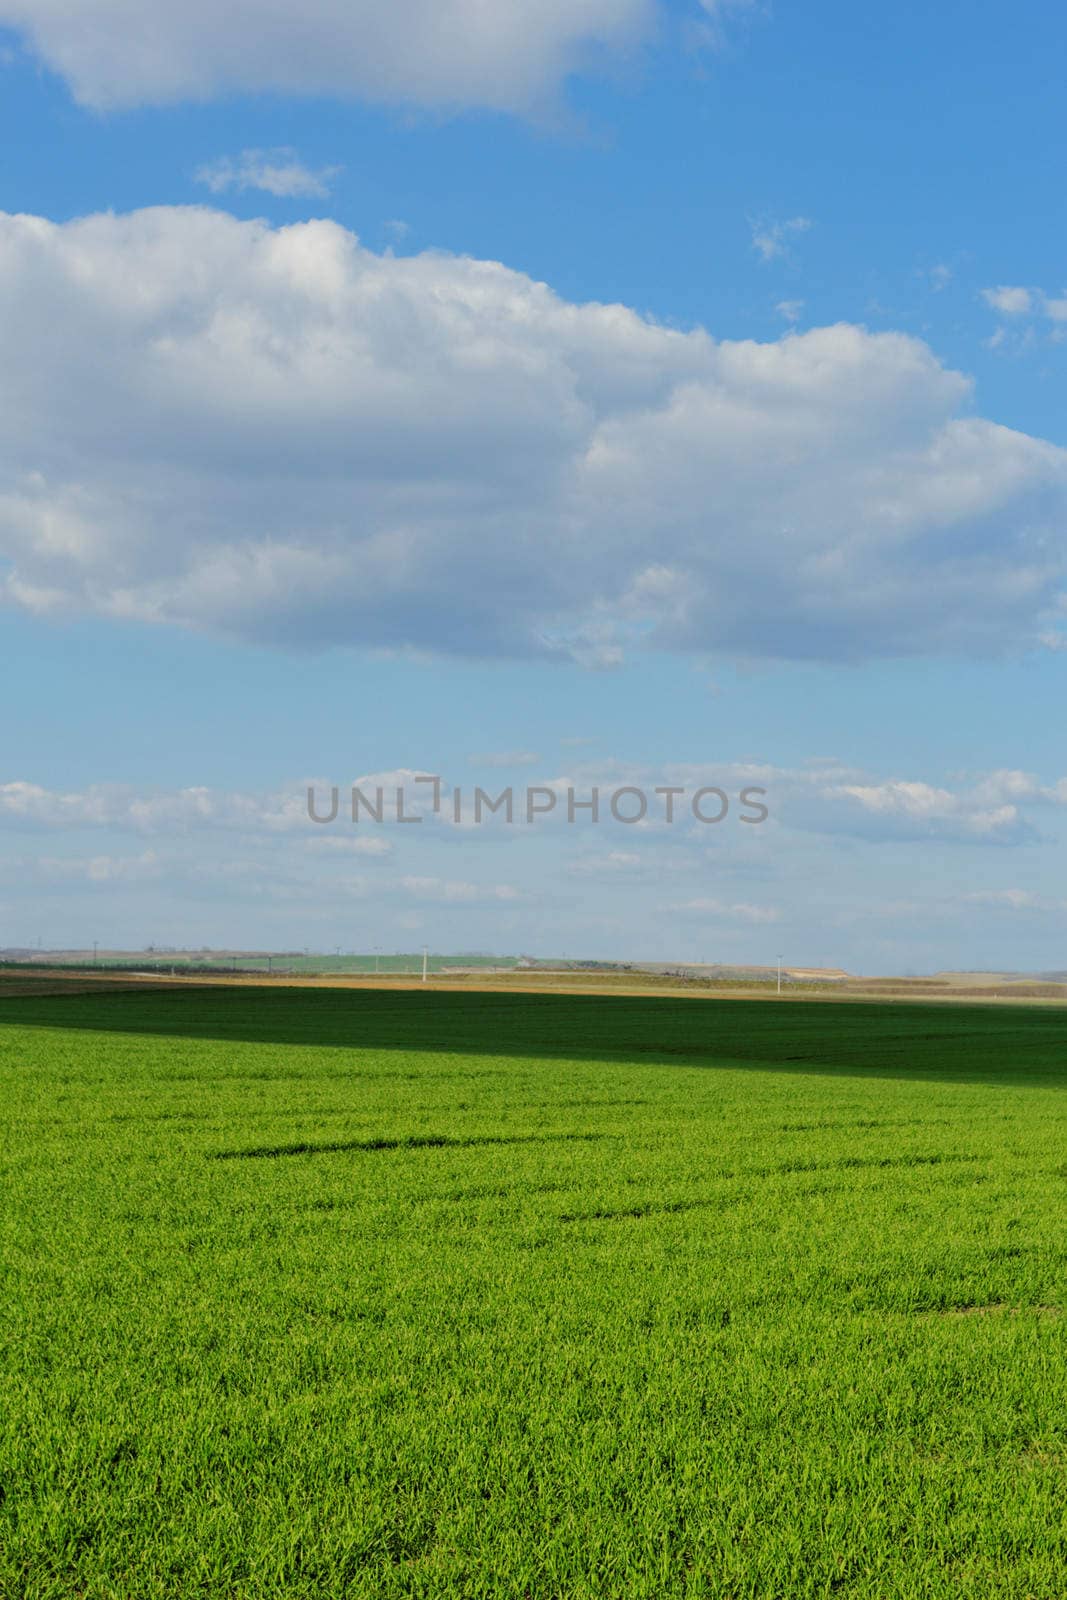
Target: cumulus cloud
{"type": "Point", "coordinates": [1019, 302]}
{"type": "Point", "coordinates": [506, 758]}
{"type": "Point", "coordinates": [119, 806]}
{"type": "Point", "coordinates": [198, 808]}
{"type": "Point", "coordinates": [286, 878]}
{"type": "Point", "coordinates": [280, 436]}
{"type": "Point", "coordinates": [725, 912]}
{"type": "Point", "coordinates": [708, 29]}
{"type": "Point", "coordinates": [451, 891]}
{"type": "Point", "coordinates": [511, 55]}
{"type": "Point", "coordinates": [770, 240]}
{"type": "Point", "coordinates": [1014, 900]}
{"type": "Point", "coordinates": [828, 797]}
{"type": "Point", "coordinates": [911, 810]}
{"type": "Point", "coordinates": [365, 844]}
{"type": "Point", "coordinates": [993, 808]}
{"type": "Point", "coordinates": [611, 861]}
{"type": "Point", "coordinates": [277, 172]}
{"type": "Point", "coordinates": [990, 808]}
{"type": "Point", "coordinates": [110, 870]}
{"type": "Point", "coordinates": [1010, 301]}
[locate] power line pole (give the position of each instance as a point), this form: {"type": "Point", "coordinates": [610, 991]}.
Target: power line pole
{"type": "Point", "coordinates": [779, 974]}
{"type": "Point", "coordinates": [425, 957]}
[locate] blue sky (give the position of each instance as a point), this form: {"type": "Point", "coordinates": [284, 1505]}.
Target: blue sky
{"type": "Point", "coordinates": [612, 394]}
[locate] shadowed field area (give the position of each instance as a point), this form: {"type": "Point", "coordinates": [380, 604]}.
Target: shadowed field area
{"type": "Point", "coordinates": [1016, 1045]}
{"type": "Point", "coordinates": [381, 1294]}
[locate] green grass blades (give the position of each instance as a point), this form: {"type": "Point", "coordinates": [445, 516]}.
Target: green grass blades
{"type": "Point", "coordinates": [377, 1295]}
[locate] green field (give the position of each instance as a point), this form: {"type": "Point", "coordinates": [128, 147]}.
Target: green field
{"type": "Point", "coordinates": [369, 1294]}
{"type": "Point", "coordinates": [383, 963]}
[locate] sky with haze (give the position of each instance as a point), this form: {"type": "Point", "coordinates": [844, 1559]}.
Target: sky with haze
{"type": "Point", "coordinates": [554, 393]}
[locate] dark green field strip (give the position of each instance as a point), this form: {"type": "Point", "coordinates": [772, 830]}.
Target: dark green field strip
{"type": "Point", "coordinates": [963, 1042]}
{"type": "Point", "coordinates": [411, 1141]}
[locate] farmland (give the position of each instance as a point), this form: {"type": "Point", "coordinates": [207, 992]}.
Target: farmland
{"type": "Point", "coordinates": [379, 1293]}
{"type": "Point", "coordinates": [293, 963]}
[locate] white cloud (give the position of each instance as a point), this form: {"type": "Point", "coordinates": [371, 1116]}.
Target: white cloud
{"type": "Point", "coordinates": [511, 55]}
{"type": "Point", "coordinates": [365, 844]}
{"type": "Point", "coordinates": [187, 864]}
{"type": "Point", "coordinates": [102, 869]}
{"type": "Point", "coordinates": [1018, 788]}
{"type": "Point", "coordinates": [457, 892]}
{"type": "Point", "coordinates": [278, 172]}
{"type": "Point", "coordinates": [770, 240]}
{"type": "Point", "coordinates": [303, 443]}
{"type": "Point", "coordinates": [1039, 319]}
{"type": "Point", "coordinates": [710, 30]}
{"type": "Point", "coordinates": [827, 797]}
{"type": "Point", "coordinates": [1014, 900]}
{"type": "Point", "coordinates": [610, 862]}
{"type": "Point", "coordinates": [790, 309]}
{"type": "Point", "coordinates": [917, 810]}
{"type": "Point", "coordinates": [1011, 302]}
{"type": "Point", "coordinates": [718, 909]}
{"type": "Point", "coordinates": [992, 808]}
{"type": "Point", "coordinates": [285, 878]}
{"type": "Point", "coordinates": [153, 812]}
{"type": "Point", "coordinates": [505, 758]}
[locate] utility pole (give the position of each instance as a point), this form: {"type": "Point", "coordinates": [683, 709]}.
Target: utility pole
{"type": "Point", "coordinates": [425, 956]}
{"type": "Point", "coordinates": [779, 974]}
{"type": "Point", "coordinates": [95, 944]}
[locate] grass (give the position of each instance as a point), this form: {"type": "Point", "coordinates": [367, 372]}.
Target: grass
{"type": "Point", "coordinates": [292, 963]}
{"type": "Point", "coordinates": [376, 1294]}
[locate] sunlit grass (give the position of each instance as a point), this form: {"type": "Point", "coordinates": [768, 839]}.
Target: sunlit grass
{"type": "Point", "coordinates": [389, 1295]}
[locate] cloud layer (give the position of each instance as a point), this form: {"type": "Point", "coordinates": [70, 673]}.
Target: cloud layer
{"type": "Point", "coordinates": [283, 437]}
{"type": "Point", "coordinates": [277, 172]}
{"type": "Point", "coordinates": [109, 862]}
{"type": "Point", "coordinates": [510, 55]}
{"type": "Point", "coordinates": [993, 808]}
